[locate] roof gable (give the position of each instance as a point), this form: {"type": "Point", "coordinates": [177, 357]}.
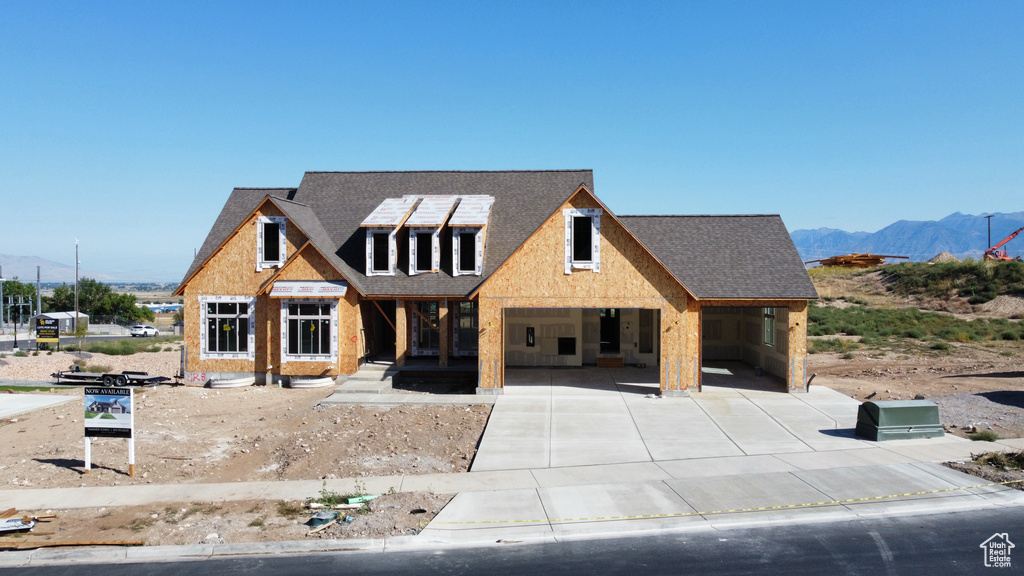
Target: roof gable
{"type": "Point", "coordinates": [241, 204]}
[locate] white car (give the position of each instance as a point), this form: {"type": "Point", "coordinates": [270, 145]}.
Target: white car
{"type": "Point", "coordinates": [143, 331]}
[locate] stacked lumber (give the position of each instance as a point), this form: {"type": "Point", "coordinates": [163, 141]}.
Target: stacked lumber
{"type": "Point", "coordinates": [857, 260]}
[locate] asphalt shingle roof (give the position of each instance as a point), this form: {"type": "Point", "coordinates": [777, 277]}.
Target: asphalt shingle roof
{"type": "Point", "coordinates": [726, 256]}
{"type": "Point", "coordinates": [329, 206]}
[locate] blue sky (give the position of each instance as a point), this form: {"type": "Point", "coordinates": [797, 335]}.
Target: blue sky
{"type": "Point", "coordinates": [126, 125]}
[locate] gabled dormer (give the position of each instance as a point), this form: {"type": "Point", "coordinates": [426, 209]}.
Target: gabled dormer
{"type": "Point", "coordinates": [425, 233]}
{"type": "Point", "coordinates": [382, 227]}
{"type": "Point", "coordinates": [469, 228]}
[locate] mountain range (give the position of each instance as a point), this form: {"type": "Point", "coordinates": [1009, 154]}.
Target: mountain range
{"type": "Point", "coordinates": [24, 269]}
{"type": "Point", "coordinates": [962, 235]}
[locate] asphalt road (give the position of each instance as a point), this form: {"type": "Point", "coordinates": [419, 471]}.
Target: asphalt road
{"type": "Point", "coordinates": [914, 545]}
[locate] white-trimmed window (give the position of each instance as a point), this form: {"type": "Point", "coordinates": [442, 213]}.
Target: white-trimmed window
{"type": "Point", "coordinates": [309, 330]}
{"type": "Point", "coordinates": [228, 327]}
{"type": "Point", "coordinates": [769, 326]}
{"type": "Point", "coordinates": [381, 251]}
{"type": "Point", "coordinates": [467, 251]}
{"type": "Point", "coordinates": [582, 239]}
{"type": "Point", "coordinates": [424, 250]}
{"type": "Point", "coordinates": [272, 242]}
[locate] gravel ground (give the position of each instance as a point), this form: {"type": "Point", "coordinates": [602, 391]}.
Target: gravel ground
{"type": "Point", "coordinates": [1001, 411]}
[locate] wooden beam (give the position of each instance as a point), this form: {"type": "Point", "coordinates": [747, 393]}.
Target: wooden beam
{"type": "Point", "coordinates": [386, 319]}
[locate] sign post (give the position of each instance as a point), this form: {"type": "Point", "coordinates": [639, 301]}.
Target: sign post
{"type": "Point", "coordinates": [110, 413]}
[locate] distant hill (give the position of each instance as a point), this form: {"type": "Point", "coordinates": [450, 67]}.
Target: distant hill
{"type": "Point", "coordinates": [24, 269]}
{"type": "Point", "coordinates": [963, 235]}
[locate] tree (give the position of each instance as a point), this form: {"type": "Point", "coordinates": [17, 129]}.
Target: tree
{"type": "Point", "coordinates": [96, 299]}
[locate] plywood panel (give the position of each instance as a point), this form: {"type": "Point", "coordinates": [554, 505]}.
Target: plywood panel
{"type": "Point", "coordinates": [309, 264]}
{"type": "Point", "coordinates": [534, 277]}
{"type": "Point", "coordinates": [231, 271]}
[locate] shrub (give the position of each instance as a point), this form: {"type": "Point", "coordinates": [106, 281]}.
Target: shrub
{"type": "Point", "coordinates": [830, 345]}
{"type": "Point", "coordinates": [98, 369]}
{"type": "Point", "coordinates": [1009, 335]}
{"type": "Point", "coordinates": [939, 346]}
{"type": "Point", "coordinates": [21, 354]}
{"type": "Point", "coordinates": [983, 436]}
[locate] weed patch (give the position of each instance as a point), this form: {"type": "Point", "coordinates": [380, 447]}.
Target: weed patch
{"type": "Point", "coordinates": [1002, 460]}
{"type": "Point", "coordinates": [983, 436]}
{"type": "Point", "coordinates": [977, 280]}
{"type": "Point", "coordinates": [878, 323]}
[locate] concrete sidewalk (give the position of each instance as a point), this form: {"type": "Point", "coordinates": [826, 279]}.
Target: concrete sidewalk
{"type": "Point", "coordinates": [586, 452]}
{"type": "Point", "coordinates": [12, 405]}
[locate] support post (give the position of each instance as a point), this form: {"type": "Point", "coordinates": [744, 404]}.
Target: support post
{"type": "Point", "coordinates": [444, 342]}
{"type": "Point", "coordinates": [88, 454]}
{"type": "Point", "coordinates": [401, 332]}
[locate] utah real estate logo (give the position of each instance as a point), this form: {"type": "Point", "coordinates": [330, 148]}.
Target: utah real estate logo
{"type": "Point", "coordinates": [997, 550]}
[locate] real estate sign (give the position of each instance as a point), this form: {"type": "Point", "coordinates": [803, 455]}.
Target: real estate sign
{"type": "Point", "coordinates": [109, 413]}
{"type": "Point", "coordinates": [47, 330]}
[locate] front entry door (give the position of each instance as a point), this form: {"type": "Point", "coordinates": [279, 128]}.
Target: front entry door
{"type": "Point", "coordinates": [610, 330]}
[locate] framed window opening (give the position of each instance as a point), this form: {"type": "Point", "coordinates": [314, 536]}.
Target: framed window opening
{"type": "Point", "coordinates": [582, 239]}
{"type": "Point", "coordinates": [424, 251]}
{"type": "Point", "coordinates": [309, 330]}
{"type": "Point", "coordinates": [381, 252]}
{"type": "Point", "coordinates": [426, 335]}
{"type": "Point", "coordinates": [228, 327]}
{"type": "Point", "coordinates": [272, 242]}
{"type": "Point", "coordinates": [467, 251]}
{"type": "Point", "coordinates": [466, 335]}
{"type": "Point", "coordinates": [769, 326]}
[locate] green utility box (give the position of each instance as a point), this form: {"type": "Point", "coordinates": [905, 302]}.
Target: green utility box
{"type": "Point", "coordinates": [898, 420]}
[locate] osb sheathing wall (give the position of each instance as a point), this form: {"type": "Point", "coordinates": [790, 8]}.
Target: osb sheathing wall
{"type": "Point", "coordinates": [796, 372]}
{"type": "Point", "coordinates": [534, 277]}
{"type": "Point", "coordinates": [231, 271]}
{"type": "Point", "coordinates": [309, 264]}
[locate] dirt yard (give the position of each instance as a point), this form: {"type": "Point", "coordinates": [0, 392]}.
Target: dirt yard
{"type": "Point", "coordinates": [185, 435]}
{"type": "Point", "coordinates": [978, 386]}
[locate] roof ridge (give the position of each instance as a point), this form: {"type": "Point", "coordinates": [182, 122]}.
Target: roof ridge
{"type": "Point", "coordinates": [265, 188]}
{"type": "Point", "coordinates": [276, 199]}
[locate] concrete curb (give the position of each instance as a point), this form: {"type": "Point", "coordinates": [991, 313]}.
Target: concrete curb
{"type": "Point", "coordinates": [200, 552]}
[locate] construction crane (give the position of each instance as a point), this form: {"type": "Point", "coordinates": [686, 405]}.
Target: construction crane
{"type": "Point", "coordinates": [865, 260]}
{"type": "Point", "coordinates": [994, 253]}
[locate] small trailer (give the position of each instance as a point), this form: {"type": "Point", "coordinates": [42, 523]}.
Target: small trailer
{"type": "Point", "coordinates": [125, 378]}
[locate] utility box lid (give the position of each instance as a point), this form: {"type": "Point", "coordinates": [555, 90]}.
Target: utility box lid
{"type": "Point", "coordinates": [898, 419]}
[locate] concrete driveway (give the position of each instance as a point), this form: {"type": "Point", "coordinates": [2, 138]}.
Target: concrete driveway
{"type": "Point", "coordinates": [15, 404]}
{"type": "Point", "coordinates": [550, 418]}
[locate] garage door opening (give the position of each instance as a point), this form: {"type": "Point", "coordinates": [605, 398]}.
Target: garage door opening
{"type": "Point", "coordinates": [744, 347]}
{"type": "Point", "coordinates": [576, 337]}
